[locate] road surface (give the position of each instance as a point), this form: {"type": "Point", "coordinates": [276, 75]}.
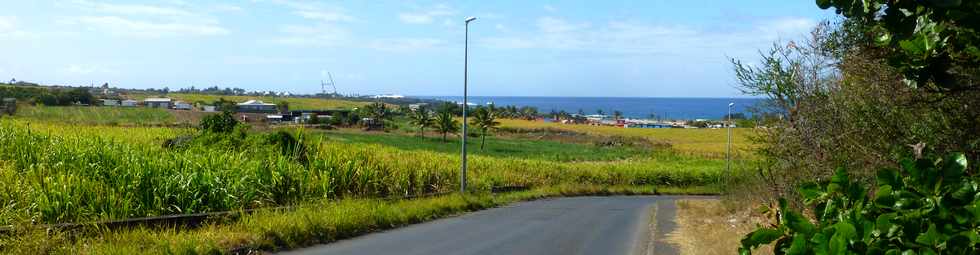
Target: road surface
{"type": "Point", "coordinates": [575, 225]}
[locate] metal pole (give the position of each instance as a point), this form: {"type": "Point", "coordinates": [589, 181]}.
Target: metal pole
{"type": "Point", "coordinates": [462, 175]}
{"type": "Point", "coordinates": [729, 150]}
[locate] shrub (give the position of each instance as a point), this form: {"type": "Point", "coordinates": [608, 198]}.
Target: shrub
{"type": "Point", "coordinates": [928, 207]}
{"type": "Point", "coordinates": [223, 122]}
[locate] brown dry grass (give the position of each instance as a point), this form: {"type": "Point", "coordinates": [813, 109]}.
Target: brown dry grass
{"type": "Point", "coordinates": [708, 226]}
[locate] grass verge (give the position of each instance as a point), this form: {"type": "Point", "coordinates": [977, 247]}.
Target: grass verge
{"type": "Point", "coordinates": [313, 223]}
{"type": "Point", "coordinates": [709, 226]}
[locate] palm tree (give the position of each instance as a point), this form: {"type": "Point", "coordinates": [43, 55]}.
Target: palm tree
{"type": "Point", "coordinates": [617, 115]}
{"type": "Point", "coordinates": [484, 119]}
{"type": "Point", "coordinates": [422, 119]}
{"type": "Point", "coordinates": [445, 122]}
{"type": "Point", "coordinates": [378, 112]}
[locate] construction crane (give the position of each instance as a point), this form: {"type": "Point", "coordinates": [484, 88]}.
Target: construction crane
{"type": "Point", "coordinates": [323, 85]}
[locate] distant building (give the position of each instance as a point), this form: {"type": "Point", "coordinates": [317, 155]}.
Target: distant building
{"type": "Point", "coordinates": [110, 102]}
{"type": "Point", "coordinates": [158, 102]}
{"type": "Point", "coordinates": [209, 108]}
{"type": "Point", "coordinates": [182, 106]}
{"type": "Point", "coordinates": [128, 103]}
{"type": "Point", "coordinates": [416, 107]}
{"type": "Point", "coordinates": [256, 106]}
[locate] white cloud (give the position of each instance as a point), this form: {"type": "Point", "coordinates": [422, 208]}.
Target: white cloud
{"type": "Point", "coordinates": [9, 28]}
{"type": "Point", "coordinates": [76, 69]}
{"type": "Point", "coordinates": [316, 11]}
{"type": "Point", "coordinates": [144, 20]}
{"type": "Point", "coordinates": [128, 27]}
{"type": "Point", "coordinates": [645, 38]}
{"type": "Point", "coordinates": [550, 8]}
{"type": "Point", "coordinates": [427, 16]}
{"type": "Point", "coordinates": [405, 44]}
{"type": "Point", "coordinates": [316, 35]}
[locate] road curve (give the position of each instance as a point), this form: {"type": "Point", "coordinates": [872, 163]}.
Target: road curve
{"type": "Point", "coordinates": [575, 225]}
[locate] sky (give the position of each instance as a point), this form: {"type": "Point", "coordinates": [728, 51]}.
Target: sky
{"type": "Point", "coordinates": [644, 48]}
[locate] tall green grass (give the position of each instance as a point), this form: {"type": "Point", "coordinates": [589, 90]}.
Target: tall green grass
{"type": "Point", "coordinates": [69, 177]}
{"type": "Point", "coordinates": [97, 115]}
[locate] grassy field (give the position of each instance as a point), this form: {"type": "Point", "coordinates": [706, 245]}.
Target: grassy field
{"type": "Point", "coordinates": [496, 147]}
{"type": "Point", "coordinates": [71, 176]}
{"type": "Point", "coordinates": [97, 115]}
{"type": "Point", "coordinates": [295, 103]}
{"type": "Point", "coordinates": [90, 170]}
{"type": "Point", "coordinates": [702, 142]}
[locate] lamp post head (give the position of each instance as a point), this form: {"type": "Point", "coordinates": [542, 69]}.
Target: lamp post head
{"type": "Point", "coordinates": [468, 19]}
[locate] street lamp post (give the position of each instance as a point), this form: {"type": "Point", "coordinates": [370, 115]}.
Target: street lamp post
{"type": "Point", "coordinates": [466, 45]}
{"type": "Point", "coordinates": [729, 150]}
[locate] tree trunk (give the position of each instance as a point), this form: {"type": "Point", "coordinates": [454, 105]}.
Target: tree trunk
{"type": "Point", "coordinates": [483, 140]}
{"type": "Point", "coordinates": [444, 136]}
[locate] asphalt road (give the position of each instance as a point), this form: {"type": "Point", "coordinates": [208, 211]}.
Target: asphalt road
{"type": "Point", "coordinates": [576, 225]}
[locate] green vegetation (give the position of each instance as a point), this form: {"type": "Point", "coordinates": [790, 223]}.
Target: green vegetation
{"type": "Point", "coordinates": [97, 115]}
{"type": "Point", "coordinates": [71, 177]}
{"type": "Point", "coordinates": [485, 119]}
{"type": "Point", "coordinates": [501, 147]}
{"type": "Point", "coordinates": [708, 143]}
{"type": "Point", "coordinates": [48, 96]}
{"type": "Point", "coordinates": [929, 207]}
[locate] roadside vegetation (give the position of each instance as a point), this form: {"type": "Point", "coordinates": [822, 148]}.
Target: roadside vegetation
{"type": "Point", "coordinates": [97, 115]}
{"type": "Point", "coordinates": [876, 144]}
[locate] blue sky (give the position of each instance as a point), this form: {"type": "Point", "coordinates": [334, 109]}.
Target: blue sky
{"type": "Point", "coordinates": [643, 48]}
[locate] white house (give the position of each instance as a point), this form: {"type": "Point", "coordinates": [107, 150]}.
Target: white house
{"type": "Point", "coordinates": [110, 102]}
{"type": "Point", "coordinates": [158, 102]}
{"type": "Point", "coordinates": [256, 106]}
{"type": "Point", "coordinates": [182, 106]}
{"type": "Point", "coordinates": [128, 103]}
{"type": "Point", "coordinates": [209, 108]}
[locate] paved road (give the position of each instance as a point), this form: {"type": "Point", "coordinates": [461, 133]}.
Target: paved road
{"type": "Point", "coordinates": [577, 225]}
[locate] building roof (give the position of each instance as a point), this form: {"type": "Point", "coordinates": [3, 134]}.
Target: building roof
{"type": "Point", "coordinates": [161, 100]}
{"type": "Point", "coordinates": [129, 100]}
{"type": "Point", "coordinates": [255, 103]}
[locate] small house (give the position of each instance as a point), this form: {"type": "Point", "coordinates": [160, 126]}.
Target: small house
{"type": "Point", "coordinates": [128, 103]}
{"type": "Point", "coordinates": [110, 102]}
{"type": "Point", "coordinates": [157, 103]}
{"type": "Point", "coordinates": [209, 108]}
{"type": "Point", "coordinates": [182, 106]}
{"type": "Point", "coordinates": [256, 106]}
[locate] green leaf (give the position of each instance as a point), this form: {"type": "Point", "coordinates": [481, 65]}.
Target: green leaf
{"type": "Point", "coordinates": [889, 176]}
{"type": "Point", "coordinates": [884, 197]}
{"type": "Point", "coordinates": [799, 246]}
{"type": "Point", "coordinates": [811, 191]}
{"type": "Point", "coordinates": [931, 237]}
{"type": "Point", "coordinates": [760, 237]}
{"type": "Point", "coordinates": [954, 165]}
{"type": "Point", "coordinates": [841, 238]}
{"type": "Point", "coordinates": [798, 223]}
{"type": "Point", "coordinates": [839, 181]}
{"type": "Point", "coordinates": [823, 4]}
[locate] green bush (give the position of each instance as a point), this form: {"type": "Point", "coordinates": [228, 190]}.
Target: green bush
{"type": "Point", "coordinates": [930, 206]}
{"type": "Point", "coordinates": [223, 122]}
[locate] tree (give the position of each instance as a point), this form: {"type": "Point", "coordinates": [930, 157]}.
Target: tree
{"type": "Point", "coordinates": [599, 112]}
{"type": "Point", "coordinates": [422, 119]}
{"type": "Point", "coordinates": [377, 111]}
{"type": "Point", "coordinates": [932, 43]}
{"type": "Point", "coordinates": [282, 106]}
{"type": "Point", "coordinates": [617, 115]}
{"type": "Point", "coordinates": [223, 122]}
{"type": "Point", "coordinates": [225, 105]}
{"type": "Point", "coordinates": [484, 118]}
{"type": "Point", "coordinates": [445, 123]}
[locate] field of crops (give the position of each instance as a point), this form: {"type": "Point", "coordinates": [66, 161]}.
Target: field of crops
{"type": "Point", "coordinates": [702, 142]}
{"type": "Point", "coordinates": [295, 103]}
{"type": "Point", "coordinates": [53, 173]}
{"type": "Point", "coordinates": [97, 115]}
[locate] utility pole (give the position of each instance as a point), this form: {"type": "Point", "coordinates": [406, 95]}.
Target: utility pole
{"type": "Point", "coordinates": [466, 52]}
{"type": "Point", "coordinates": [729, 150]}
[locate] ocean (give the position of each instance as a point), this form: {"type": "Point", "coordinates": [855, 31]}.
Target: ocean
{"type": "Point", "coordinates": [632, 107]}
